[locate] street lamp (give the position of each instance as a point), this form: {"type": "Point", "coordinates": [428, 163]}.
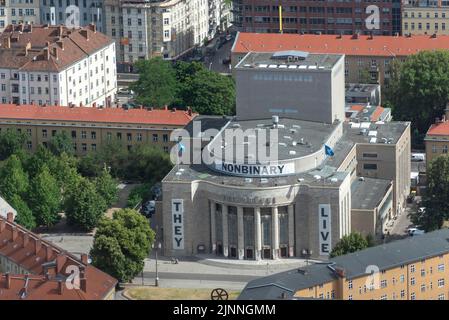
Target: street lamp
{"type": "Point", "coordinates": [156, 280]}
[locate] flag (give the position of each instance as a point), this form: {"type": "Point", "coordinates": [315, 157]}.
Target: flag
{"type": "Point", "coordinates": [328, 150]}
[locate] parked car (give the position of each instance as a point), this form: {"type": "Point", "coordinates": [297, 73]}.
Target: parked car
{"type": "Point", "coordinates": [418, 157]}
{"type": "Point", "coordinates": [125, 92]}
{"type": "Point", "coordinates": [415, 232]}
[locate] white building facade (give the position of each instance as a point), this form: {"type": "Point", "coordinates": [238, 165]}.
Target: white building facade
{"type": "Point", "coordinates": [64, 72]}
{"type": "Point", "coordinates": [19, 11]}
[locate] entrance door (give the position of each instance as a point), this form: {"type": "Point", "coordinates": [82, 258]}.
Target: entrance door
{"type": "Point", "coordinates": [249, 254]}
{"type": "Point", "coordinates": [233, 252]}
{"type": "Point", "coordinates": [266, 253]}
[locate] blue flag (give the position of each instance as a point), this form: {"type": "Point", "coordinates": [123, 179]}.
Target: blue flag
{"type": "Point", "coordinates": [328, 150]}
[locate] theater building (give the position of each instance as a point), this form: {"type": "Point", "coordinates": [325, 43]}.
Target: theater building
{"type": "Point", "coordinates": [299, 203]}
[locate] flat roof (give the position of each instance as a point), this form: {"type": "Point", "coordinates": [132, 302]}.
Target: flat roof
{"type": "Point", "coordinates": [363, 45]}
{"type": "Point", "coordinates": [267, 61]}
{"type": "Point", "coordinates": [360, 89]}
{"type": "Point", "coordinates": [97, 115]}
{"type": "Point", "coordinates": [296, 138]}
{"type": "Point", "coordinates": [386, 256]}
{"type": "Point", "coordinates": [367, 193]}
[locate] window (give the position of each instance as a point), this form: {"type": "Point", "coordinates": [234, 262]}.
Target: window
{"type": "Point", "coordinates": [441, 267]}
{"type": "Point", "coordinates": [383, 283]}
{"type": "Point", "coordinates": [423, 288]}
{"type": "Point", "coordinates": [441, 296]}
{"type": "Point", "coordinates": [440, 283]}
{"type": "Point", "coordinates": [370, 166]}
{"type": "Point", "coordinates": [139, 137]}
{"type": "Point", "coordinates": [165, 137]}
{"type": "Point", "coordinates": [29, 145]}
{"type": "Point", "coordinates": [412, 268]}
{"type": "Point", "coordinates": [155, 137]}
{"type": "Point", "coordinates": [83, 134]}
{"type": "Point", "coordinates": [94, 147]}
{"type": "Point", "coordinates": [413, 296]}
{"type": "Point", "coordinates": [119, 135]}
{"type": "Point", "coordinates": [412, 281]}
{"type": "Point", "coordinates": [350, 285]}
{"type": "Point", "coordinates": [165, 149]}
{"type": "Point", "coordinates": [129, 137]}
{"type": "Point", "coordinates": [44, 133]}
{"type": "Point", "coordinates": [73, 134]}
{"type": "Point", "coordinates": [93, 135]}
{"type": "Point", "coordinates": [423, 273]}
{"type": "Point", "coordinates": [84, 147]}
{"type": "Point", "coordinates": [109, 135]}
{"type": "Point", "coordinates": [402, 293]}
{"type": "Point", "coordinates": [350, 297]}
{"type": "Point", "coordinates": [383, 297]}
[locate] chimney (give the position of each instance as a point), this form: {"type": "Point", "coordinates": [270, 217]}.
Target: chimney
{"type": "Point", "coordinates": [355, 35]}
{"type": "Point", "coordinates": [61, 259]}
{"type": "Point", "coordinates": [84, 33]}
{"type": "Point", "coordinates": [55, 52]}
{"type": "Point", "coordinates": [371, 36]}
{"type": "Point", "coordinates": [10, 217]}
{"type": "Point", "coordinates": [21, 27]}
{"type": "Point", "coordinates": [7, 43]}
{"type": "Point", "coordinates": [49, 253]}
{"type": "Point", "coordinates": [37, 246]}
{"type": "Point", "coordinates": [30, 28]}
{"type": "Point", "coordinates": [26, 239]}
{"type": "Point", "coordinates": [85, 258]}
{"type": "Point", "coordinates": [189, 111]}
{"type": "Point", "coordinates": [27, 48]}
{"type": "Point", "coordinates": [60, 287]}
{"type": "Point", "coordinates": [93, 27]}
{"type": "Point", "coordinates": [2, 225]}
{"type": "Point", "coordinates": [8, 281]}
{"type": "Point", "coordinates": [83, 284]}
{"type": "Point", "coordinates": [60, 30]}
{"type": "Point", "coordinates": [46, 54]}
{"type": "Point", "coordinates": [60, 43]}
{"type": "Point", "coordinates": [15, 234]}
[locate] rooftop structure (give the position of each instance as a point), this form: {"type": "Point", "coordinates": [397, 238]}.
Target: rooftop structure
{"type": "Point", "coordinates": [431, 248]}
{"type": "Point", "coordinates": [32, 268]}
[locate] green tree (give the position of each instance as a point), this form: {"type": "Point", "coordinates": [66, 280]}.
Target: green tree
{"type": "Point", "coordinates": [419, 89]}
{"type": "Point", "coordinates": [106, 187]}
{"type": "Point", "coordinates": [44, 197]}
{"type": "Point", "coordinates": [349, 243]}
{"type": "Point", "coordinates": [42, 157]}
{"type": "Point", "coordinates": [13, 179]}
{"type": "Point", "coordinates": [11, 141]}
{"type": "Point", "coordinates": [61, 143]}
{"type": "Point", "coordinates": [434, 200]}
{"type": "Point", "coordinates": [121, 244]}
{"type": "Point", "coordinates": [157, 85]}
{"type": "Point", "coordinates": [24, 215]}
{"type": "Point", "coordinates": [64, 169]}
{"type": "Point", "coordinates": [210, 93]}
{"type": "Point", "coordinates": [148, 163]}
{"type": "Point", "coordinates": [84, 206]}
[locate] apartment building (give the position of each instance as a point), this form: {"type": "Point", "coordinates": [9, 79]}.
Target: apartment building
{"type": "Point", "coordinates": [91, 127]}
{"type": "Point", "coordinates": [77, 13]}
{"type": "Point", "coordinates": [414, 268]}
{"type": "Point", "coordinates": [365, 56]}
{"type": "Point", "coordinates": [34, 269]}
{"type": "Point", "coordinates": [19, 11]}
{"type": "Point", "coordinates": [425, 17]}
{"type": "Point", "coordinates": [144, 29]}
{"type": "Point", "coordinates": [436, 140]}
{"type": "Point", "coordinates": [56, 65]}
{"type": "Point", "coordinates": [327, 17]}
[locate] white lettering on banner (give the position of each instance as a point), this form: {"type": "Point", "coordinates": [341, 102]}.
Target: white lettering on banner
{"type": "Point", "coordinates": [177, 211]}
{"type": "Point", "coordinates": [324, 228]}
{"type": "Point", "coordinates": [256, 170]}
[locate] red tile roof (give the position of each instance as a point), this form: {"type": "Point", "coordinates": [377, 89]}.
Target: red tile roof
{"type": "Point", "coordinates": [439, 129]}
{"type": "Point", "coordinates": [47, 263]}
{"type": "Point", "coordinates": [346, 44]}
{"type": "Point", "coordinates": [23, 47]}
{"type": "Point", "coordinates": [98, 115]}
{"type": "Point", "coordinates": [377, 113]}
{"type": "Point", "coordinates": [357, 107]}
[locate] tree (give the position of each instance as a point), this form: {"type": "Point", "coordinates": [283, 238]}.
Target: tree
{"type": "Point", "coordinates": [106, 187]}
{"type": "Point", "coordinates": [349, 243]}
{"type": "Point", "coordinates": [419, 89]}
{"type": "Point", "coordinates": [210, 93]}
{"type": "Point", "coordinates": [13, 179]}
{"type": "Point", "coordinates": [42, 157]}
{"type": "Point", "coordinates": [121, 244]}
{"type": "Point", "coordinates": [64, 169]}
{"type": "Point", "coordinates": [157, 85]}
{"type": "Point", "coordinates": [148, 163]}
{"type": "Point", "coordinates": [61, 143]}
{"type": "Point", "coordinates": [45, 197]}
{"type": "Point", "coordinates": [434, 200]}
{"type": "Point", "coordinates": [11, 141]}
{"type": "Point", "coordinates": [84, 206]}
{"type": "Point", "coordinates": [24, 215]}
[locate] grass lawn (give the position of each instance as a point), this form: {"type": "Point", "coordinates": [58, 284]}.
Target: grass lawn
{"type": "Point", "coordinates": [153, 293]}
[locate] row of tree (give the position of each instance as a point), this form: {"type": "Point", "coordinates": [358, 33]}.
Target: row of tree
{"type": "Point", "coordinates": [183, 84]}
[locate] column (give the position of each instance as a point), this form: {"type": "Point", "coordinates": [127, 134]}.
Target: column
{"type": "Point", "coordinates": [291, 231]}
{"type": "Point", "coordinates": [258, 234]}
{"type": "Point", "coordinates": [213, 236]}
{"type": "Point", "coordinates": [240, 244]}
{"type": "Point", "coordinates": [275, 232]}
{"type": "Point", "coordinates": [224, 214]}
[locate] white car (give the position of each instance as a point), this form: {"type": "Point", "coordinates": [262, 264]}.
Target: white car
{"type": "Point", "coordinates": [415, 232]}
